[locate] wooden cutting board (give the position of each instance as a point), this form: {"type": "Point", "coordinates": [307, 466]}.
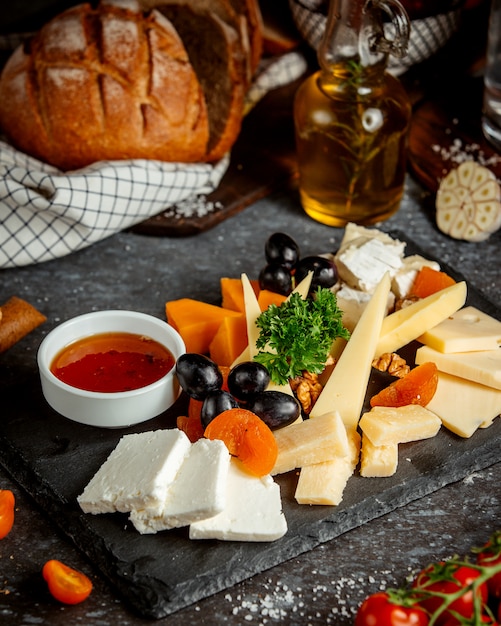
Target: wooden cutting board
{"type": "Point", "coordinates": [446, 130]}
{"type": "Point", "coordinates": [262, 160]}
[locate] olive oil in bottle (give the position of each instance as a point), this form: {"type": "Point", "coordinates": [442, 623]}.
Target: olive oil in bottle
{"type": "Point", "coordinates": [352, 116]}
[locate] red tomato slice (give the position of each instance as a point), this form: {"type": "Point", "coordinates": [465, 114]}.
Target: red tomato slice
{"type": "Point", "coordinates": [66, 584]}
{"type": "Point", "coordinates": [7, 504]}
{"type": "Point", "coordinates": [490, 556]}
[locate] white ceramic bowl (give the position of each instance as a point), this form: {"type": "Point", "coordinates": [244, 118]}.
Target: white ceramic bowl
{"type": "Point", "coordinates": [109, 410]}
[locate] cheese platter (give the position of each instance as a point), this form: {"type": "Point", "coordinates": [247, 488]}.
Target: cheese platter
{"type": "Point", "coordinates": [53, 459]}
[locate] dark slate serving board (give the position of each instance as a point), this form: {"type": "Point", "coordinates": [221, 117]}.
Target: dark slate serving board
{"type": "Point", "coordinates": [53, 459]}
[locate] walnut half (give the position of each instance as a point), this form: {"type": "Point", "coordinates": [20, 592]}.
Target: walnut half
{"type": "Point", "coordinates": [392, 363]}
{"type": "Point", "coordinates": [306, 388]}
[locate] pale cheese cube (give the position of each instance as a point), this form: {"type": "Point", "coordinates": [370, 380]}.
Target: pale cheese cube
{"type": "Point", "coordinates": [137, 473]}
{"type": "Point", "coordinates": [198, 491]}
{"type": "Point", "coordinates": [311, 441]}
{"type": "Point", "coordinates": [324, 483]}
{"type": "Point", "coordinates": [463, 406]}
{"type": "Point", "coordinates": [393, 425]}
{"type": "Point", "coordinates": [253, 510]}
{"type": "Point", "coordinates": [378, 461]}
{"type": "Point", "coordinates": [467, 330]}
{"type": "Point", "coordinates": [482, 367]}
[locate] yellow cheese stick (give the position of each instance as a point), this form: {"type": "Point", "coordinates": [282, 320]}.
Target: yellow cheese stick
{"type": "Point", "coordinates": [402, 327]}
{"type": "Point", "coordinates": [346, 387]}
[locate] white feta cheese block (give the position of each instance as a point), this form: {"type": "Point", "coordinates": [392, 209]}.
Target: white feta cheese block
{"type": "Point", "coordinates": [198, 491]}
{"type": "Point", "coordinates": [352, 303]}
{"type": "Point", "coordinates": [362, 261]}
{"type": "Point", "coordinates": [253, 510]}
{"type": "Point", "coordinates": [137, 473]}
{"type": "Point", "coordinates": [404, 279]}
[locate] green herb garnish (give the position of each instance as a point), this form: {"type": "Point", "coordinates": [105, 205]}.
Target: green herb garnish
{"type": "Point", "coordinates": [298, 335]}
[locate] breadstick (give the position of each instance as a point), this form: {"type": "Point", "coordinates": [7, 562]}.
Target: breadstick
{"type": "Point", "coordinates": [17, 319]}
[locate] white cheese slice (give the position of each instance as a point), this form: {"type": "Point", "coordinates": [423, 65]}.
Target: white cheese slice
{"type": "Point", "coordinates": [365, 260]}
{"type": "Point", "coordinates": [378, 461]}
{"type": "Point", "coordinates": [345, 388]}
{"type": "Point", "coordinates": [252, 312]}
{"type": "Point", "coordinates": [403, 326]}
{"type": "Point", "coordinates": [310, 441]}
{"type": "Point", "coordinates": [403, 280]}
{"type": "Point", "coordinates": [137, 473]}
{"type": "Point", "coordinates": [198, 491]}
{"type": "Point", "coordinates": [467, 330]}
{"type": "Point", "coordinates": [463, 406]}
{"type": "Point", "coordinates": [482, 367]}
{"type": "Point", "coordinates": [324, 483]}
{"type": "Point", "coordinates": [386, 426]}
{"type": "Point", "coordinates": [253, 510]}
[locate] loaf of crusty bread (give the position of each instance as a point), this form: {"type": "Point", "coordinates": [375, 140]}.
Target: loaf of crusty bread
{"type": "Point", "coordinates": [121, 81]}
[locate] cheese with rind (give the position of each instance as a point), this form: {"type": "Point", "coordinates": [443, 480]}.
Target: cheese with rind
{"type": "Point", "coordinates": [345, 388]}
{"type": "Point", "coordinates": [386, 426]}
{"type": "Point", "coordinates": [407, 324]}
{"type": "Point", "coordinates": [309, 442]}
{"type": "Point", "coordinates": [482, 367]}
{"type": "Point", "coordinates": [467, 330]}
{"type": "Point", "coordinates": [463, 406]}
{"type": "Point", "coordinates": [253, 510]}
{"type": "Point", "coordinates": [378, 461]}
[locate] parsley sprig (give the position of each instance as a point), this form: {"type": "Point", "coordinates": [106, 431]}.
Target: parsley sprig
{"type": "Point", "coordinates": [297, 335]}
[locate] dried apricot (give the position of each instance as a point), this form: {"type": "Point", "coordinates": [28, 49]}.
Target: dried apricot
{"type": "Point", "coordinates": [417, 387]}
{"type": "Point", "coordinates": [191, 424]}
{"type": "Point", "coordinates": [428, 281]}
{"type": "Point", "coordinates": [247, 438]}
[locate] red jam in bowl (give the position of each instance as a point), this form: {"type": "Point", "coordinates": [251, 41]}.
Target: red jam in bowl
{"type": "Point", "coordinates": [112, 362]}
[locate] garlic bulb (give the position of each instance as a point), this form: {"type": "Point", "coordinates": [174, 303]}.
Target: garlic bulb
{"type": "Point", "coordinates": [468, 203]}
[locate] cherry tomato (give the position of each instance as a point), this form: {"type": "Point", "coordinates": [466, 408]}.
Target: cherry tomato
{"type": "Point", "coordinates": [66, 584]}
{"type": "Point", "coordinates": [489, 556]}
{"type": "Point", "coordinates": [449, 578]}
{"type": "Point", "coordinates": [385, 608]}
{"type": "Point", "coordinates": [7, 503]}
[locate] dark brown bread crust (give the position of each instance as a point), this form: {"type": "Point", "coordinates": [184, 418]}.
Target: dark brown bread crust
{"type": "Point", "coordinates": [104, 83]}
{"type": "Point", "coordinates": [216, 56]}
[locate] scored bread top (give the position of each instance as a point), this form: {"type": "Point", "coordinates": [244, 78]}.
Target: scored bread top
{"type": "Point", "coordinates": [111, 82]}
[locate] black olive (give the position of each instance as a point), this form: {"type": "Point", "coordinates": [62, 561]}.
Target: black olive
{"type": "Point", "coordinates": [276, 408]}
{"type": "Point", "coordinates": [281, 249]}
{"type": "Point", "coordinates": [324, 271]}
{"type": "Point", "coordinates": [277, 278]}
{"type": "Point", "coordinates": [247, 379]}
{"type": "Point", "coordinates": [198, 375]}
{"type": "Point", "coordinates": [215, 403]}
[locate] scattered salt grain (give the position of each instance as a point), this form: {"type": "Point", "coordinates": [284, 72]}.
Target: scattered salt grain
{"type": "Point", "coordinates": [193, 207]}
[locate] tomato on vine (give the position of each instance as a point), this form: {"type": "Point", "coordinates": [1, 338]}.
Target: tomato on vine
{"type": "Point", "coordinates": [447, 590]}
{"type": "Point", "coordinates": [393, 607]}
{"type": "Point", "coordinates": [489, 555]}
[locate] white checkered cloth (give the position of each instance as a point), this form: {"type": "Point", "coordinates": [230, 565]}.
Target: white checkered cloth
{"type": "Point", "coordinates": [46, 213]}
